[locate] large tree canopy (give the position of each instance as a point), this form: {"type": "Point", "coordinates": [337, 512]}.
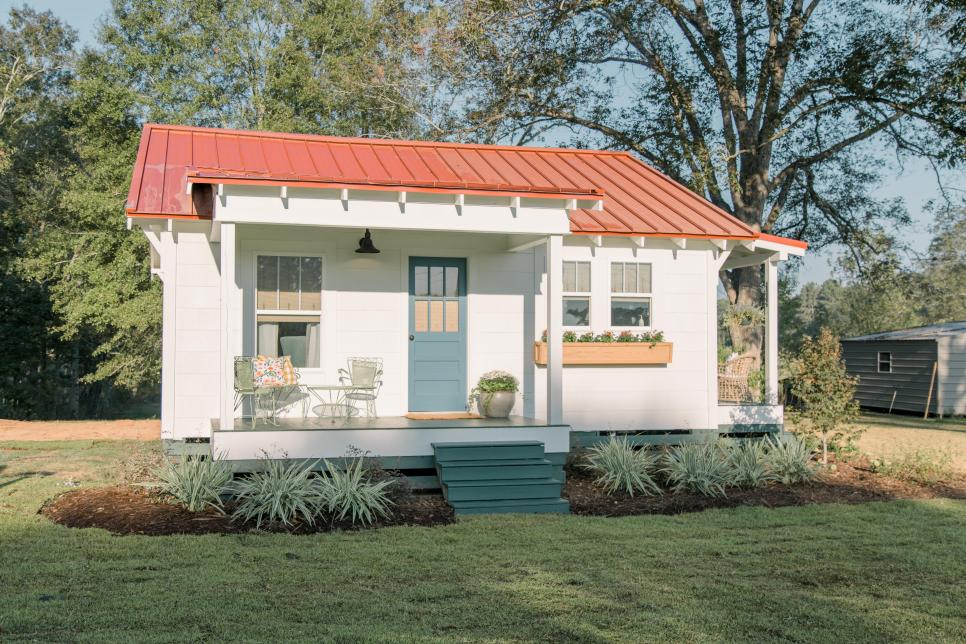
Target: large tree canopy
{"type": "Point", "coordinates": [769, 108]}
{"type": "Point", "coordinates": [69, 128]}
{"type": "Point", "coordinates": [777, 111]}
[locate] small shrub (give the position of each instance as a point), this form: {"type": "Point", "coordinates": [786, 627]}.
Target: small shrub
{"type": "Point", "coordinates": [698, 467]}
{"type": "Point", "coordinates": [620, 467]}
{"type": "Point", "coordinates": [279, 494]}
{"type": "Point", "coordinates": [826, 394]}
{"type": "Point", "coordinates": [790, 460]}
{"type": "Point", "coordinates": [926, 466]}
{"type": "Point", "coordinates": [350, 493]}
{"type": "Point", "coordinates": [196, 483]}
{"type": "Point", "coordinates": [748, 461]}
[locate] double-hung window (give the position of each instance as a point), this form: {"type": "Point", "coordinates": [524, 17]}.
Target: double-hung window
{"type": "Point", "coordinates": [288, 307]}
{"type": "Point", "coordinates": [884, 362]}
{"type": "Point", "coordinates": [630, 288]}
{"type": "Point", "coordinates": [576, 294]}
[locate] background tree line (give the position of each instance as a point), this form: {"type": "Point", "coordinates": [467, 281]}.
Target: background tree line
{"type": "Point", "coordinates": [782, 112]}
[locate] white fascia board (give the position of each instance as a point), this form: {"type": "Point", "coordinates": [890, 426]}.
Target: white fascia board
{"type": "Point", "coordinates": [339, 208]}
{"type": "Point", "coordinates": [754, 259]}
{"type": "Point", "coordinates": [783, 248]}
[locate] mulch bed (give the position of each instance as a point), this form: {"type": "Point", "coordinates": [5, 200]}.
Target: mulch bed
{"type": "Point", "coordinates": [136, 510]}
{"type": "Point", "coordinates": [126, 510]}
{"type": "Point", "coordinates": [845, 484]}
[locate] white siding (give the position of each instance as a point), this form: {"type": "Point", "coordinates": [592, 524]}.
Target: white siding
{"type": "Point", "coordinates": [365, 312]}
{"type": "Point", "coordinates": [191, 334]}
{"type": "Point", "coordinates": [952, 374]}
{"type": "Point", "coordinates": [675, 396]}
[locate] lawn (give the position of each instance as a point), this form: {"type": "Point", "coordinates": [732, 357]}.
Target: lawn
{"type": "Point", "coordinates": [875, 572]}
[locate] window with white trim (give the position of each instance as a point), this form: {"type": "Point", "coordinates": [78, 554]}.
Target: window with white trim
{"type": "Point", "coordinates": [884, 361]}
{"type": "Point", "coordinates": [576, 294]}
{"type": "Point", "coordinates": [630, 300]}
{"type": "Point", "coordinates": [288, 307]}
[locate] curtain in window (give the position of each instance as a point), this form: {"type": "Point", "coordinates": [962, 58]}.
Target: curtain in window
{"type": "Point", "coordinates": [268, 339]}
{"type": "Point", "coordinates": [312, 346]}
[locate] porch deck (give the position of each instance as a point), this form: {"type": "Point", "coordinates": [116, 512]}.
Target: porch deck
{"type": "Point", "coordinates": [400, 442]}
{"type": "Point", "coordinates": [385, 422]}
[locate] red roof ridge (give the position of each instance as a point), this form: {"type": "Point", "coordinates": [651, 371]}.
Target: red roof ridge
{"type": "Point", "coordinates": [327, 138]}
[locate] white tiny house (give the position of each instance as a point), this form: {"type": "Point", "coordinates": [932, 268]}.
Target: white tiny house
{"type": "Point", "coordinates": [266, 245]}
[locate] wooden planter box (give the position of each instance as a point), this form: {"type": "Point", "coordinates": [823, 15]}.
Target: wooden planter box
{"type": "Point", "coordinates": [608, 353]}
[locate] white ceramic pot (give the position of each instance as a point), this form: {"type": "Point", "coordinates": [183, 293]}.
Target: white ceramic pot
{"type": "Point", "coordinates": [497, 404]}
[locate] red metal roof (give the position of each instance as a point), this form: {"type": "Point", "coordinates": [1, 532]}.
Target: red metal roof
{"type": "Point", "coordinates": [638, 200]}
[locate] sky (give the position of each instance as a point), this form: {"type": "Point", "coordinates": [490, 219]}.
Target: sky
{"type": "Point", "coordinates": [915, 183]}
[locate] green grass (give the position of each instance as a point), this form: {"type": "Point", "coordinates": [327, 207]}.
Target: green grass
{"type": "Point", "coordinates": [905, 421]}
{"type": "Point", "coordinates": [876, 572]}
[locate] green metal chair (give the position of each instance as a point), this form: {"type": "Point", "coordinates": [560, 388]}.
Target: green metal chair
{"type": "Point", "coordinates": [265, 400]}
{"type": "Point", "coordinates": [364, 376]}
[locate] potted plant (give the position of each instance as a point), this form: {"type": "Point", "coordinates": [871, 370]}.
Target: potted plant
{"type": "Point", "coordinates": [495, 394]}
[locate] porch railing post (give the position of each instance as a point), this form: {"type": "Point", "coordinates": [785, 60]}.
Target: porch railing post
{"type": "Point", "coordinates": [228, 325]}
{"type": "Point", "coordinates": [771, 333]}
{"type": "Point", "coordinates": [554, 330]}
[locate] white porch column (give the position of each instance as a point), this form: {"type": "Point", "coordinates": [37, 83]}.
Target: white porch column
{"type": "Point", "coordinates": [229, 326]}
{"type": "Point", "coordinates": [771, 333]}
{"type": "Point", "coordinates": [169, 277]}
{"type": "Point", "coordinates": [554, 329]}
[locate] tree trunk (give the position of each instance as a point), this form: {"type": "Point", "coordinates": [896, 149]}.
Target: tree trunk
{"type": "Point", "coordinates": [744, 287]}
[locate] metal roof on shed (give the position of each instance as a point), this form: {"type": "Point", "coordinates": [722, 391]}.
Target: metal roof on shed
{"type": "Point", "coordinates": [637, 199]}
{"type": "Point", "coordinates": [929, 332]}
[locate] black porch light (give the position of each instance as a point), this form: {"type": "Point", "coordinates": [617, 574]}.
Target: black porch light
{"type": "Point", "coordinates": [366, 245]}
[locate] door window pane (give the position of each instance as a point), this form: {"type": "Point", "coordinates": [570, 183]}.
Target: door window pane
{"type": "Point", "coordinates": [436, 316]}
{"type": "Point", "coordinates": [452, 281]}
{"type": "Point", "coordinates": [267, 283]}
{"type": "Point", "coordinates": [421, 279]}
{"type": "Point", "coordinates": [436, 281]}
{"type": "Point", "coordinates": [627, 311]}
{"type": "Point", "coordinates": [421, 316]}
{"type": "Point", "coordinates": [576, 311]}
{"type": "Point", "coordinates": [452, 316]}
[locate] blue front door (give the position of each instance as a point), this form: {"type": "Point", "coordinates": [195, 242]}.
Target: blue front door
{"type": "Point", "coordinates": [437, 334]}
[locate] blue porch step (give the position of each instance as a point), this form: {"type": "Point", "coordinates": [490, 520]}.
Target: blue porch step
{"type": "Point", "coordinates": [499, 477]}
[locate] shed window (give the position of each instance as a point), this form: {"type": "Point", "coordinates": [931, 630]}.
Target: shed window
{"type": "Point", "coordinates": [885, 362]}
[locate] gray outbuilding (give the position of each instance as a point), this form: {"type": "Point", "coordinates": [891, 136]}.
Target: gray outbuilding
{"type": "Point", "coordinates": [896, 368]}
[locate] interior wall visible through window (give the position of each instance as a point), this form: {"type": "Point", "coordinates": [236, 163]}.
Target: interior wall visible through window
{"type": "Point", "coordinates": [288, 308]}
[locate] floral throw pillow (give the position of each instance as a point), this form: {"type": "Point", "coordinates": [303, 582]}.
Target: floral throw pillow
{"type": "Point", "coordinates": [268, 372]}
{"type": "Point", "coordinates": [289, 374]}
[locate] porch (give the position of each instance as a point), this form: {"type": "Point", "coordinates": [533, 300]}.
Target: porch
{"type": "Point", "coordinates": [399, 442]}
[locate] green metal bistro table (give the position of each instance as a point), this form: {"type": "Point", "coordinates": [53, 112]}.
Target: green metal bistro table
{"type": "Point", "coordinates": [333, 401]}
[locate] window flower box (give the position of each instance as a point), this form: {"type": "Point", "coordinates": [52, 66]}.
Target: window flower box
{"type": "Point", "coordinates": [608, 353]}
